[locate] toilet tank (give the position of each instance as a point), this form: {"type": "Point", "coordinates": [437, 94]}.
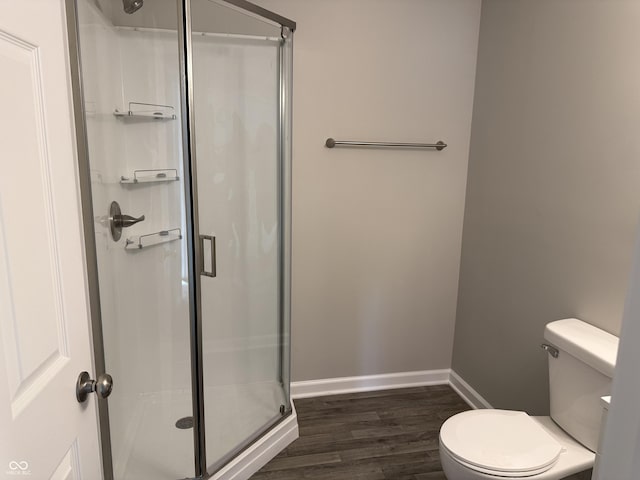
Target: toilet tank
{"type": "Point", "coordinates": [579, 376]}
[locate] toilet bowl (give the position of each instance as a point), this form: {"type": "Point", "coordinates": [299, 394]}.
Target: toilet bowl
{"type": "Point", "coordinates": [498, 444]}
{"type": "Point", "coordinates": [535, 450]}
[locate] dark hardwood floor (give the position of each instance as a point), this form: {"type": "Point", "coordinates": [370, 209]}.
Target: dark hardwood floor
{"type": "Point", "coordinates": [390, 434]}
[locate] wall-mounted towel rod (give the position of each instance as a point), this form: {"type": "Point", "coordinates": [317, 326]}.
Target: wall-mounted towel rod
{"type": "Point", "coordinates": [330, 143]}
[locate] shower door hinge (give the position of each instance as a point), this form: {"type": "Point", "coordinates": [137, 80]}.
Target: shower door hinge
{"type": "Point", "coordinates": [285, 32]}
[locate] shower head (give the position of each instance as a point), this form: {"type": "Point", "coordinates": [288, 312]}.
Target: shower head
{"type": "Point", "coordinates": [132, 6]}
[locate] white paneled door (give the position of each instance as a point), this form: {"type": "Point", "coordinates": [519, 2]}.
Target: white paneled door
{"type": "Point", "coordinates": [44, 329]}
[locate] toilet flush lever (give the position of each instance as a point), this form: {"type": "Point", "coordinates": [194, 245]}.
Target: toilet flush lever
{"type": "Point", "coordinates": [550, 349]}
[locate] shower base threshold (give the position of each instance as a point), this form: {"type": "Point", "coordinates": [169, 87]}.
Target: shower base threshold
{"type": "Point", "coordinates": [154, 449]}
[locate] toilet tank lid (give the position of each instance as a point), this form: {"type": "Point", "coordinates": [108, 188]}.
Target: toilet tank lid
{"type": "Point", "coordinates": [587, 343]}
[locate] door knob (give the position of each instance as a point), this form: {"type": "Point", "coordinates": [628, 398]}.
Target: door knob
{"type": "Point", "coordinates": [118, 221]}
{"type": "Point", "coordinates": [85, 385]}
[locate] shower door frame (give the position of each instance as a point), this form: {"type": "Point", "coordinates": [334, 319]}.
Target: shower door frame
{"type": "Point", "coordinates": [194, 253]}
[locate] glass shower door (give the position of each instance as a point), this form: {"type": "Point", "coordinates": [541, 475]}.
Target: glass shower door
{"type": "Point", "coordinates": [130, 68]}
{"type": "Point", "coordinates": [237, 88]}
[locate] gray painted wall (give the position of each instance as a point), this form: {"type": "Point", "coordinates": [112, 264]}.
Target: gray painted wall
{"type": "Point", "coordinates": [553, 190]}
{"type": "Point", "coordinates": [377, 233]}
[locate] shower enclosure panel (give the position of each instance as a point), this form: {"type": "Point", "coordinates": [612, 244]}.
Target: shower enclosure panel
{"type": "Point", "coordinates": [143, 291]}
{"type": "Point", "coordinates": [236, 106]}
{"type": "Point", "coordinates": [186, 192]}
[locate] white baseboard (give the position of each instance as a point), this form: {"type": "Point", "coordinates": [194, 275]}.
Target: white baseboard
{"type": "Point", "coordinates": [367, 383]}
{"type": "Point", "coordinates": [466, 391]}
{"type": "Point", "coordinates": [261, 452]}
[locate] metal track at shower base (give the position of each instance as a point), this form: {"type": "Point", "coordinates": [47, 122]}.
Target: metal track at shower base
{"type": "Point", "coordinates": [206, 476]}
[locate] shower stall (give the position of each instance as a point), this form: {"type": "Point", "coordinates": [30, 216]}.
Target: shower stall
{"type": "Point", "coordinates": [183, 115]}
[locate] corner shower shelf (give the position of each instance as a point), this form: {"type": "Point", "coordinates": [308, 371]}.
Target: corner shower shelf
{"type": "Point", "coordinates": [152, 239]}
{"type": "Point", "coordinates": [151, 176]}
{"type": "Point", "coordinates": [147, 110]}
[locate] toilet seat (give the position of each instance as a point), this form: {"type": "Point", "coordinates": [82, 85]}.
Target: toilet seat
{"type": "Point", "coordinates": [503, 443]}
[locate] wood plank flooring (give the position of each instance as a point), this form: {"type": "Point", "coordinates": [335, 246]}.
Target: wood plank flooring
{"type": "Point", "coordinates": [385, 435]}
{"type": "Point", "coordinates": [390, 434]}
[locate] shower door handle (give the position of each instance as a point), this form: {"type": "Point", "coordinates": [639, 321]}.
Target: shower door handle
{"type": "Point", "coordinates": [203, 270]}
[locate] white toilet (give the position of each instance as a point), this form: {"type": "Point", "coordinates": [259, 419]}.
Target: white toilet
{"type": "Point", "coordinates": [498, 444]}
